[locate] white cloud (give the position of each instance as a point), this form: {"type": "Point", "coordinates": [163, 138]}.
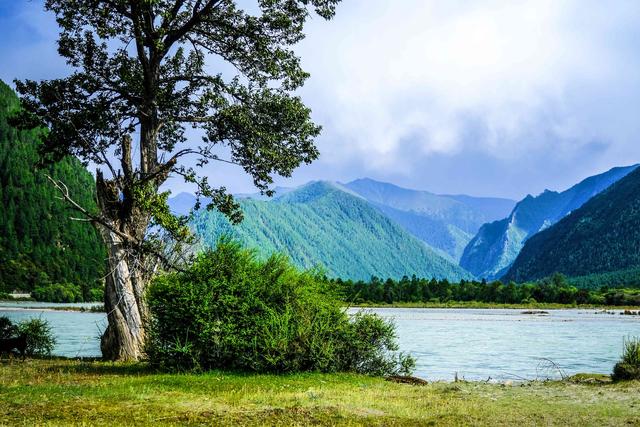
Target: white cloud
{"type": "Point", "coordinates": [527, 75]}
{"type": "Point", "coordinates": [515, 96]}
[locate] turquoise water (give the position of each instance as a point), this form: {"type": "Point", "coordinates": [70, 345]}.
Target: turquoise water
{"type": "Point", "coordinates": [77, 333]}
{"type": "Point", "coordinates": [475, 344]}
{"type": "Point", "coordinates": [509, 345]}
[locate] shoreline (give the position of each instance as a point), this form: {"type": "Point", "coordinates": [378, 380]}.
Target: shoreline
{"type": "Point", "coordinates": [53, 309]}
{"type": "Point", "coordinates": [493, 306]}
{"type": "Point", "coordinates": [438, 306]}
{"type": "Point", "coordinates": [143, 368]}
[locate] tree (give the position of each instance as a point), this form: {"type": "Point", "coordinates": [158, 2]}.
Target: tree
{"type": "Point", "coordinates": [140, 83]}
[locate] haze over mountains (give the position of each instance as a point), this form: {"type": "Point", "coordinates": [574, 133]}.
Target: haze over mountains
{"type": "Point", "coordinates": [366, 227]}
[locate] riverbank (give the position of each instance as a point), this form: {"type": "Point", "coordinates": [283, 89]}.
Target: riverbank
{"type": "Point", "coordinates": [99, 308]}
{"type": "Point", "coordinates": [490, 305]}
{"type": "Point", "coordinates": [89, 307]}
{"type": "Point", "coordinates": [65, 392]}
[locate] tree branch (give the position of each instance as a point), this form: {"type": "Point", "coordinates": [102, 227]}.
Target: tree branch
{"type": "Point", "coordinates": [195, 19]}
{"type": "Point", "coordinates": [166, 23]}
{"type": "Point", "coordinates": [64, 191]}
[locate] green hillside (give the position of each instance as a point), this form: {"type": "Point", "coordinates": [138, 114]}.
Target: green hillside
{"type": "Point", "coordinates": [39, 245]}
{"type": "Point", "coordinates": [602, 236]}
{"type": "Point", "coordinates": [444, 222]}
{"type": "Point", "coordinates": [497, 244]}
{"type": "Point", "coordinates": [323, 224]}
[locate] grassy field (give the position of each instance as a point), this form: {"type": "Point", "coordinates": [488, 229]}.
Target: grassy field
{"type": "Point", "coordinates": [63, 392]}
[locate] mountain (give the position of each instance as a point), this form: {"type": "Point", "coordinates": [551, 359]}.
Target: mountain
{"type": "Point", "coordinates": [39, 244]}
{"type": "Point", "coordinates": [490, 253]}
{"type": "Point", "coordinates": [257, 196]}
{"type": "Point", "coordinates": [444, 222]}
{"type": "Point", "coordinates": [600, 237]}
{"type": "Point", "coordinates": [182, 203]}
{"type": "Point", "coordinates": [326, 224]}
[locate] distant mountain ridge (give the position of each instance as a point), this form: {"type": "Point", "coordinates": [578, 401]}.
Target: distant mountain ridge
{"type": "Point", "coordinates": [306, 222]}
{"type": "Point", "coordinates": [492, 251]}
{"type": "Point", "coordinates": [445, 222]}
{"type": "Point", "coordinates": [601, 236]}
{"type": "Point", "coordinates": [323, 223]}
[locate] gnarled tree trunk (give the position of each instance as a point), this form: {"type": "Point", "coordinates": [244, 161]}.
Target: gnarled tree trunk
{"type": "Point", "coordinates": [127, 275]}
{"type": "Point", "coordinates": [124, 289]}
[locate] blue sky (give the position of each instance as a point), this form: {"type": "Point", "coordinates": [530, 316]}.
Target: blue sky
{"type": "Point", "coordinates": [498, 98]}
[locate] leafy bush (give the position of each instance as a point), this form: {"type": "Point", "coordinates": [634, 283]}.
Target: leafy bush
{"type": "Point", "coordinates": [58, 292]}
{"type": "Point", "coordinates": [233, 311]}
{"type": "Point", "coordinates": [7, 328]}
{"type": "Point", "coordinates": [40, 339]}
{"type": "Point", "coordinates": [629, 366]}
{"type": "Point", "coordinates": [374, 338]}
{"type": "Point", "coordinates": [96, 295]}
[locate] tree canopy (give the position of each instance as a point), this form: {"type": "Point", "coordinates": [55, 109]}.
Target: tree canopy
{"type": "Point", "coordinates": [144, 67]}
{"type": "Point", "coordinates": [146, 74]}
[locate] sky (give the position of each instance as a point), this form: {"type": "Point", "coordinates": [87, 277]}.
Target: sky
{"type": "Point", "coordinates": [487, 98]}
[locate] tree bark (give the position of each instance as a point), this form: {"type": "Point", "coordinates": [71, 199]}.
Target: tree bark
{"type": "Point", "coordinates": [124, 337]}
{"type": "Point", "coordinates": [126, 281]}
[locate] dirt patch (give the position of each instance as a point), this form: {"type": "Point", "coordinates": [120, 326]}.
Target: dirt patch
{"type": "Point", "coordinates": [403, 379]}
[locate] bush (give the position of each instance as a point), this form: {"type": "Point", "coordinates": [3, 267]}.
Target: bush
{"type": "Point", "coordinates": [625, 372]}
{"type": "Point", "coordinates": [629, 366]}
{"type": "Point", "coordinates": [40, 339]}
{"type": "Point", "coordinates": [7, 328]}
{"type": "Point", "coordinates": [233, 311]}
{"type": "Point", "coordinates": [96, 295]}
{"type": "Point", "coordinates": [58, 292]}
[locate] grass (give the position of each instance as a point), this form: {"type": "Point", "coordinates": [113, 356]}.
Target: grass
{"type": "Point", "coordinates": [64, 392]}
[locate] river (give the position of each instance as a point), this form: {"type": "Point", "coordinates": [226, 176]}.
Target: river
{"type": "Point", "coordinates": [474, 344]}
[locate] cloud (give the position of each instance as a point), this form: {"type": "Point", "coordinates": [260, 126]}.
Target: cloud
{"type": "Point", "coordinates": [485, 97]}
{"type": "Point", "coordinates": [512, 80]}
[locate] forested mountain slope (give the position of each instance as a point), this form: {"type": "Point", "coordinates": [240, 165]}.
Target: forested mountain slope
{"type": "Point", "coordinates": [444, 222]}
{"type": "Point", "coordinates": [497, 244]}
{"type": "Point", "coordinates": [602, 236]}
{"type": "Point", "coordinates": [324, 224]}
{"type": "Point", "coordinates": [39, 245]}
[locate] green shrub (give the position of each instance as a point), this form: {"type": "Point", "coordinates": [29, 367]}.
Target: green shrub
{"type": "Point", "coordinates": [374, 338]}
{"type": "Point", "coordinates": [58, 292]}
{"type": "Point", "coordinates": [233, 311]}
{"type": "Point", "coordinates": [625, 372]}
{"type": "Point", "coordinates": [96, 295]}
{"type": "Point", "coordinates": [40, 339]}
{"type": "Point", "coordinates": [629, 366]}
{"type": "Point", "coordinates": [7, 328]}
